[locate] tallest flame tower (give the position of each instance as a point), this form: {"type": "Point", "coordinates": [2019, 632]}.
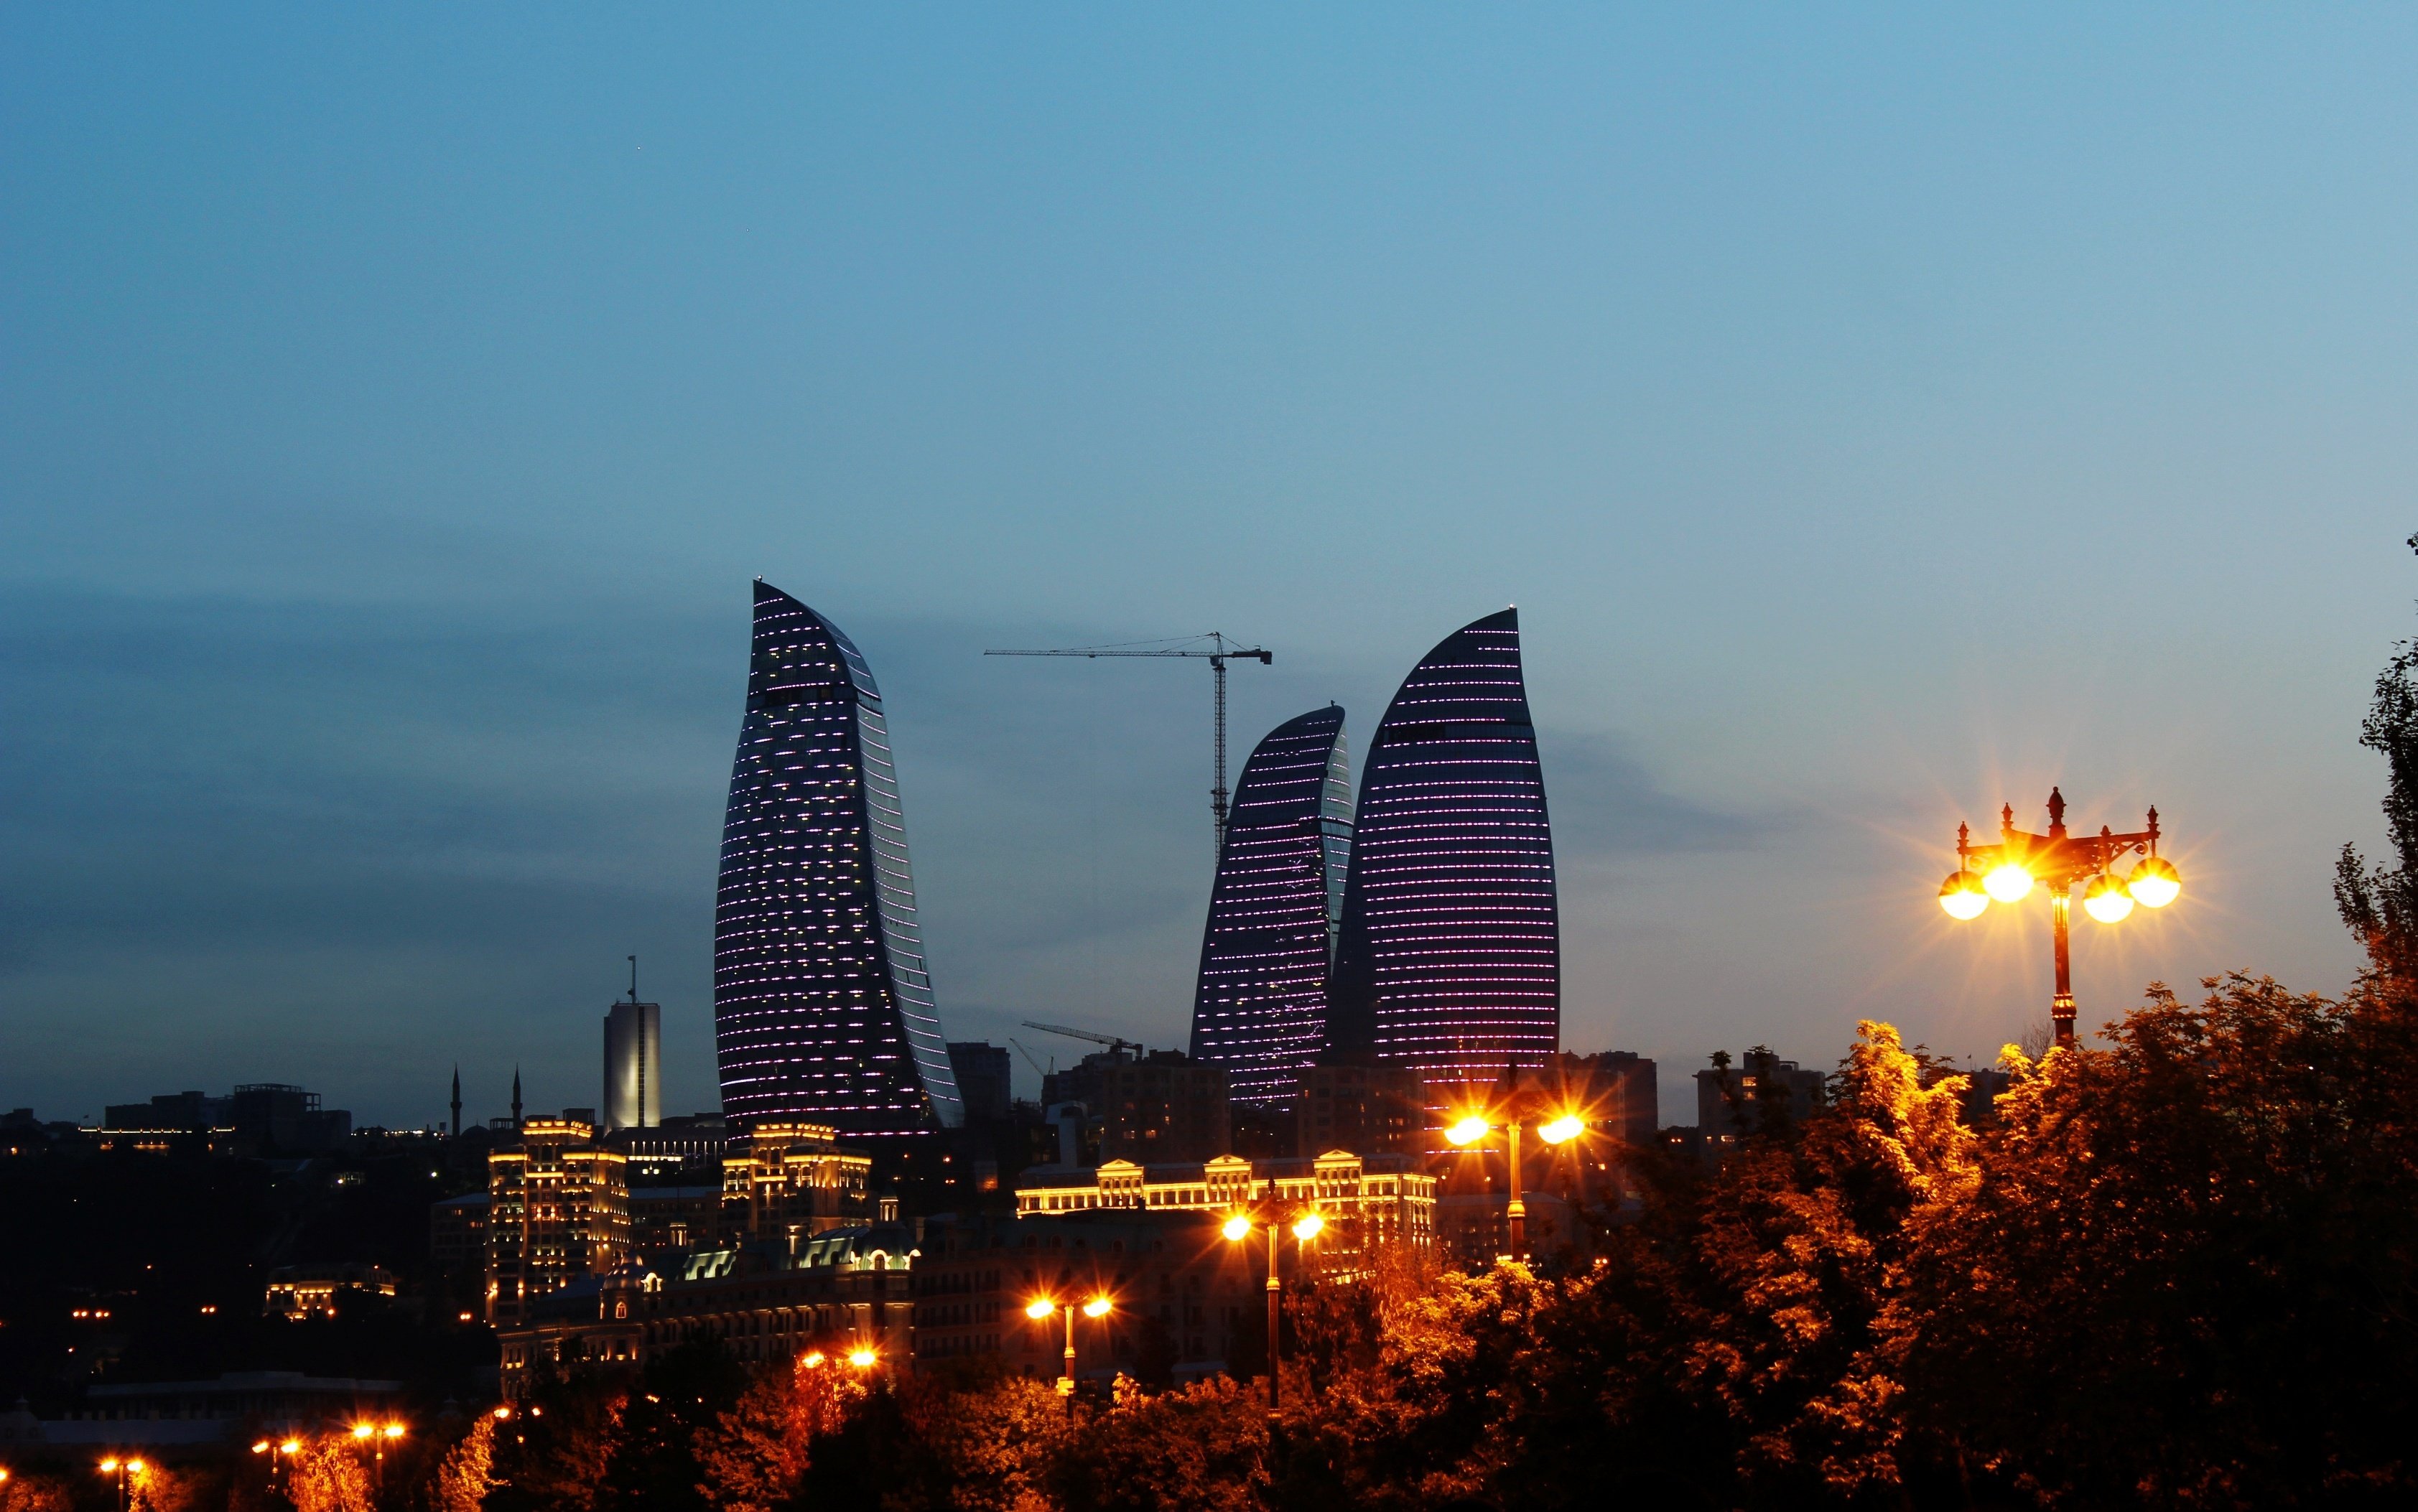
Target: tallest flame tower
{"type": "Point", "coordinates": [823, 1006]}
{"type": "Point", "coordinates": [1450, 958]}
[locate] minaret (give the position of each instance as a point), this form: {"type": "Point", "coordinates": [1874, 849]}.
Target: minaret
{"type": "Point", "coordinates": [457, 1102]}
{"type": "Point", "coordinates": [516, 1098]}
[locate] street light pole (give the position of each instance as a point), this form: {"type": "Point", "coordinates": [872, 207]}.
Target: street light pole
{"type": "Point", "coordinates": [1275, 1311]}
{"type": "Point", "coordinates": [1305, 1228]}
{"type": "Point", "coordinates": [1561, 1127]}
{"type": "Point", "coordinates": [2006, 872]}
{"type": "Point", "coordinates": [1040, 1308]}
{"type": "Point", "coordinates": [1517, 1211]}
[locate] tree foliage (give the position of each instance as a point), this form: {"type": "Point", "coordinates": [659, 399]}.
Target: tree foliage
{"type": "Point", "coordinates": [466, 1472]}
{"type": "Point", "coordinates": [327, 1475]}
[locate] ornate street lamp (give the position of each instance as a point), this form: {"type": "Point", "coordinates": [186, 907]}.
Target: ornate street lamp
{"type": "Point", "coordinates": [1039, 1308]}
{"type": "Point", "coordinates": [2008, 871]}
{"type": "Point", "coordinates": [1556, 1126]}
{"type": "Point", "coordinates": [1306, 1227]}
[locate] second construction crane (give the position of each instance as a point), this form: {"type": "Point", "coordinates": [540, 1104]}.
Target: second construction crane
{"type": "Point", "coordinates": [1217, 652]}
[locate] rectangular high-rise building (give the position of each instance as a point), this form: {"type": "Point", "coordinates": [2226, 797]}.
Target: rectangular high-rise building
{"type": "Point", "coordinates": [984, 1072]}
{"type": "Point", "coordinates": [634, 1052]}
{"type": "Point", "coordinates": [558, 1209]}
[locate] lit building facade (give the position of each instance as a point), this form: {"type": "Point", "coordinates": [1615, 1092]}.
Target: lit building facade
{"type": "Point", "coordinates": [1366, 1199]}
{"type": "Point", "coordinates": [794, 1179]}
{"type": "Point", "coordinates": [558, 1210]}
{"type": "Point", "coordinates": [1259, 1007]}
{"type": "Point", "coordinates": [822, 1007]}
{"type": "Point", "coordinates": [1449, 957]}
{"type": "Point", "coordinates": [634, 1059]}
{"type": "Point", "coordinates": [768, 1303]}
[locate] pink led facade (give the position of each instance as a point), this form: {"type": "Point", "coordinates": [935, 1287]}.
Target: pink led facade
{"type": "Point", "coordinates": [822, 1008]}
{"type": "Point", "coordinates": [1259, 1007]}
{"type": "Point", "coordinates": [1449, 957]}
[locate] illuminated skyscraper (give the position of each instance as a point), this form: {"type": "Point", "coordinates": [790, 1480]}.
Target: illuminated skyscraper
{"type": "Point", "coordinates": [634, 1074]}
{"type": "Point", "coordinates": [1260, 1008]}
{"type": "Point", "coordinates": [822, 1009]}
{"type": "Point", "coordinates": [1449, 959]}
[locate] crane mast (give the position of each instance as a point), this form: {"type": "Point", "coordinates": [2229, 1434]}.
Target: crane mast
{"type": "Point", "coordinates": [1219, 651]}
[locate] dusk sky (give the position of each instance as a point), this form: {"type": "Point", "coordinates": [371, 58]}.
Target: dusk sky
{"type": "Point", "coordinates": [1876, 416]}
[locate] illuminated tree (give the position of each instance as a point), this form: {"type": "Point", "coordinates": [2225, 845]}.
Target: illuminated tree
{"type": "Point", "coordinates": [2189, 1267]}
{"type": "Point", "coordinates": [1198, 1448]}
{"type": "Point", "coordinates": [756, 1455]}
{"type": "Point", "coordinates": [327, 1475]}
{"type": "Point", "coordinates": [463, 1477]}
{"type": "Point", "coordinates": [554, 1454]}
{"type": "Point", "coordinates": [35, 1493]}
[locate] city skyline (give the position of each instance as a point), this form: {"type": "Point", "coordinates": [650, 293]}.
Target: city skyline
{"type": "Point", "coordinates": [395, 400]}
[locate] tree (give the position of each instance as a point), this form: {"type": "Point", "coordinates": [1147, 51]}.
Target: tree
{"type": "Point", "coordinates": [680, 1398]}
{"type": "Point", "coordinates": [755, 1457]}
{"type": "Point", "coordinates": [2187, 1274]}
{"type": "Point", "coordinates": [1195, 1449]}
{"type": "Point", "coordinates": [2380, 904]}
{"type": "Point", "coordinates": [35, 1493]}
{"type": "Point", "coordinates": [561, 1442]}
{"type": "Point", "coordinates": [327, 1476]}
{"type": "Point", "coordinates": [463, 1477]}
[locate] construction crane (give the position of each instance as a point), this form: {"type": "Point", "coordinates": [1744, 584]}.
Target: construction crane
{"type": "Point", "coordinates": [1218, 652]}
{"type": "Point", "coordinates": [1112, 1041]}
{"type": "Point", "coordinates": [1031, 1060]}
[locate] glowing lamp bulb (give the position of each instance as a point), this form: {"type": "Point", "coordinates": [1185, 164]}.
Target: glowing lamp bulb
{"type": "Point", "coordinates": [2105, 901]}
{"type": "Point", "coordinates": [1962, 895]}
{"type": "Point", "coordinates": [1562, 1130]}
{"type": "Point", "coordinates": [861, 1358]}
{"type": "Point", "coordinates": [1039, 1307]}
{"type": "Point", "coordinates": [1468, 1131]}
{"type": "Point", "coordinates": [134, 1467]}
{"type": "Point", "coordinates": [2008, 882]}
{"type": "Point", "coordinates": [394, 1430]}
{"type": "Point", "coordinates": [290, 1446]}
{"type": "Point", "coordinates": [2153, 883]}
{"type": "Point", "coordinates": [362, 1430]}
{"type": "Point", "coordinates": [1236, 1228]}
{"type": "Point", "coordinates": [1308, 1226]}
{"type": "Point", "coordinates": [813, 1359]}
{"type": "Point", "coordinates": [107, 1466]}
{"type": "Point", "coordinates": [1097, 1307]}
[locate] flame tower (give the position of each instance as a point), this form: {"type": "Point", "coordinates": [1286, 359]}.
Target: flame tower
{"type": "Point", "coordinates": [822, 1008]}
{"type": "Point", "coordinates": [1260, 1009]}
{"type": "Point", "coordinates": [1449, 957]}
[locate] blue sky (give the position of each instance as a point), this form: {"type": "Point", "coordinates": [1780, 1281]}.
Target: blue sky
{"type": "Point", "coordinates": [1877, 414]}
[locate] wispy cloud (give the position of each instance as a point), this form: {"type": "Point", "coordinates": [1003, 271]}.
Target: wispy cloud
{"type": "Point", "coordinates": [1608, 804]}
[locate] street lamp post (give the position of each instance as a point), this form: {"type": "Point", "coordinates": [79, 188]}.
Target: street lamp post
{"type": "Point", "coordinates": [2006, 873]}
{"type": "Point", "coordinates": [378, 1436]}
{"type": "Point", "coordinates": [121, 1469]}
{"type": "Point", "coordinates": [1039, 1308]}
{"type": "Point", "coordinates": [1305, 1228]}
{"type": "Point", "coordinates": [1560, 1128]}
